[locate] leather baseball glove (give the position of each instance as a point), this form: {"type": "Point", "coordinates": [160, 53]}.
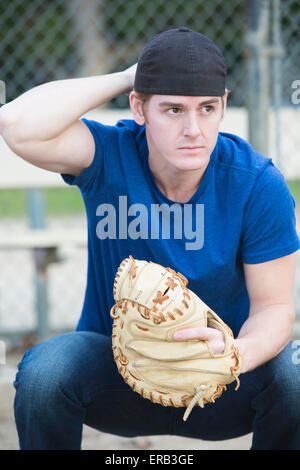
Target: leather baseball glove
{"type": "Point", "coordinates": [152, 303]}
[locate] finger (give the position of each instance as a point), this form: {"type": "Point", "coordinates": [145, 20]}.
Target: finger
{"type": "Point", "coordinates": [202, 333]}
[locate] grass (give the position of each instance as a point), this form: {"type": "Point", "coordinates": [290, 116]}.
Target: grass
{"type": "Point", "coordinates": [68, 201]}
{"type": "Point", "coordinates": [295, 190]}
{"type": "Point", "coordinates": [58, 202]}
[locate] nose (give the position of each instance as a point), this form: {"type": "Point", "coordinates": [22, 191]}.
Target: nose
{"type": "Point", "coordinates": [191, 126]}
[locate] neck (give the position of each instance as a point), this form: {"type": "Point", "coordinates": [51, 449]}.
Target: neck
{"type": "Point", "coordinates": [177, 185]}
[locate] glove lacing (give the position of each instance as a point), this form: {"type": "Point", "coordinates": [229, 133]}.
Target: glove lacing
{"type": "Point", "coordinates": [200, 391]}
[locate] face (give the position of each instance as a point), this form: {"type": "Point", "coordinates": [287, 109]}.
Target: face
{"type": "Point", "coordinates": [181, 130]}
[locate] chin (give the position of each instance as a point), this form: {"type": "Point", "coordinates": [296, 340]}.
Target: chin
{"type": "Point", "coordinates": [192, 163]}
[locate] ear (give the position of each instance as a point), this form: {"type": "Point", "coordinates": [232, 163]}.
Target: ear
{"type": "Point", "coordinates": [224, 100]}
{"type": "Point", "coordinates": [137, 108]}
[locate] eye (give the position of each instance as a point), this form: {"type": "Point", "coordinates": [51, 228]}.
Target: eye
{"type": "Point", "coordinates": [208, 108]}
{"type": "Point", "coordinates": [173, 110]}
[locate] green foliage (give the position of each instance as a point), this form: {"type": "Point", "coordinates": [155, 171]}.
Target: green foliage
{"type": "Point", "coordinates": [134, 22]}
{"type": "Point", "coordinates": [37, 31]}
{"type": "Point", "coordinates": [124, 19]}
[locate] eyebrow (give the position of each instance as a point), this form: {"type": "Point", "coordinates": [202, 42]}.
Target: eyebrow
{"type": "Point", "coordinates": [165, 104]}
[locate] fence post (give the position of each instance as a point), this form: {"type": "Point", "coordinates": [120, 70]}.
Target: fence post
{"type": "Point", "coordinates": [2, 93]}
{"type": "Point", "coordinates": [258, 74]}
{"type": "Point", "coordinates": [36, 211]}
{"type": "Point", "coordinates": [276, 69]}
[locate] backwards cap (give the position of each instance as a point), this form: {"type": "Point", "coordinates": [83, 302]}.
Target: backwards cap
{"type": "Point", "coordinates": [181, 62]}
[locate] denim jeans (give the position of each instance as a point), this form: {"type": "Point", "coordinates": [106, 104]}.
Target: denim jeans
{"type": "Point", "coordinates": [71, 380]}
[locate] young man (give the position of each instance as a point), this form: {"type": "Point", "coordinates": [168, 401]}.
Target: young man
{"type": "Point", "coordinates": [240, 259]}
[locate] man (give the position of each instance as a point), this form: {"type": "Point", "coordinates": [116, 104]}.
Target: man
{"type": "Point", "coordinates": [241, 261]}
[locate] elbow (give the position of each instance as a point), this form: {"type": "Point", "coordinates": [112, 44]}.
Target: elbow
{"type": "Point", "coordinates": [8, 125]}
{"type": "Point", "coordinates": [6, 117]}
{"type": "Point", "coordinates": [292, 315]}
{"type": "Point", "coordinates": [287, 331]}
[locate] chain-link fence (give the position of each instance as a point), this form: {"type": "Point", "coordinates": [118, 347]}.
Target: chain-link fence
{"type": "Point", "coordinates": [21, 294]}
{"type": "Point", "coordinates": [45, 40]}
{"type": "Point", "coordinates": [286, 78]}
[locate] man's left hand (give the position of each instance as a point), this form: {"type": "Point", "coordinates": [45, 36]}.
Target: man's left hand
{"type": "Point", "coordinates": [212, 335]}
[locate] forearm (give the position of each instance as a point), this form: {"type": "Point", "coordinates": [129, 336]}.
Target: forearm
{"type": "Point", "coordinates": [45, 111]}
{"type": "Point", "coordinates": [264, 334]}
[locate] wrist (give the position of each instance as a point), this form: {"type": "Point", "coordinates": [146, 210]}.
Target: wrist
{"type": "Point", "coordinates": [240, 343]}
{"type": "Point", "coordinates": [129, 76]}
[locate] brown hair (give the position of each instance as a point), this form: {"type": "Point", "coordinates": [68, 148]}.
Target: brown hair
{"type": "Point", "coordinates": [144, 98]}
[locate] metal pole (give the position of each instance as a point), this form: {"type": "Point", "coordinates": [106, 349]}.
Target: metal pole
{"type": "Point", "coordinates": [276, 65]}
{"type": "Point", "coordinates": [36, 210]}
{"type": "Point", "coordinates": [258, 74]}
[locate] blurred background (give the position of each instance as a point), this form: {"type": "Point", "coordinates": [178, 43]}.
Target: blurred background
{"type": "Point", "coordinates": [42, 222]}
{"type": "Point", "coordinates": [42, 281]}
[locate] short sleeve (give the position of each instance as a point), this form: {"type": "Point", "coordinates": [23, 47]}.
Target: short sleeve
{"type": "Point", "coordinates": [269, 227]}
{"type": "Point", "coordinates": [90, 177]}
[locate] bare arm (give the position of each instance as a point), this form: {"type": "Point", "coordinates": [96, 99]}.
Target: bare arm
{"type": "Point", "coordinates": [268, 328]}
{"type": "Point", "coordinates": [271, 318]}
{"type": "Point", "coordinates": [42, 125]}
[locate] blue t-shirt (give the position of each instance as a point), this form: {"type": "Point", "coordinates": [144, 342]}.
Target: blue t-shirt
{"type": "Point", "coordinates": [242, 212]}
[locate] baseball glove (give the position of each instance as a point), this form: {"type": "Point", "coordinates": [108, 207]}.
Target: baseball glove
{"type": "Point", "coordinates": [152, 302]}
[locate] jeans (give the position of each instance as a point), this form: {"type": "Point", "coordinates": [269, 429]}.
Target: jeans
{"type": "Point", "coordinates": [71, 380]}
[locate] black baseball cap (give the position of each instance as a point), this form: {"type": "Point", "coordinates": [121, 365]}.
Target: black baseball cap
{"type": "Point", "coordinates": [181, 62]}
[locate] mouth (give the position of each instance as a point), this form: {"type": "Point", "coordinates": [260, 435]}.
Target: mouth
{"type": "Point", "coordinates": [193, 148]}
